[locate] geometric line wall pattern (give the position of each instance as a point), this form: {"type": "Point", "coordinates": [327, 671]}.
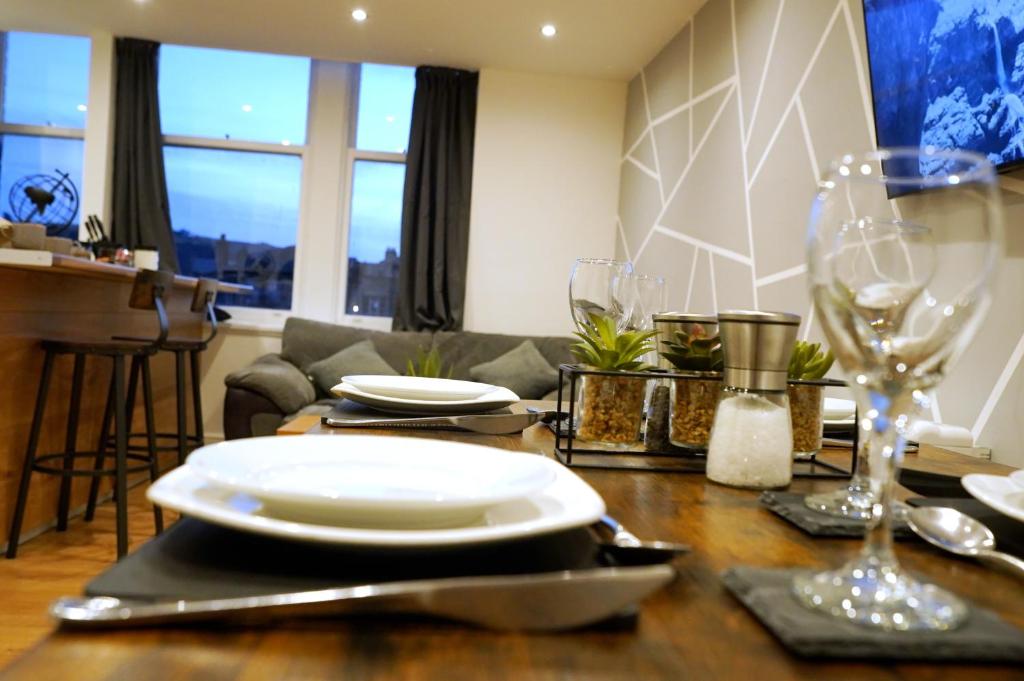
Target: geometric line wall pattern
{"type": "Point", "coordinates": [727, 129]}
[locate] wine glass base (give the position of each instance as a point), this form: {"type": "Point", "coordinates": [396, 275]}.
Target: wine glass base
{"type": "Point", "coordinates": [854, 501]}
{"type": "Point", "coordinates": [880, 595]}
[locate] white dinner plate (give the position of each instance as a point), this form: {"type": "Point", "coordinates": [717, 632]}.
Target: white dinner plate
{"type": "Point", "coordinates": [837, 410]}
{"type": "Point", "coordinates": [373, 481]}
{"type": "Point", "coordinates": [566, 503]}
{"type": "Point", "coordinates": [998, 492]}
{"type": "Point", "coordinates": [1018, 478]}
{"type": "Point", "coordinates": [419, 387]}
{"type": "Point", "coordinates": [495, 399]}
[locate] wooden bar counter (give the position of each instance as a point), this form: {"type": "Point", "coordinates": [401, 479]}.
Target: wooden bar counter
{"type": "Point", "coordinates": [63, 297]}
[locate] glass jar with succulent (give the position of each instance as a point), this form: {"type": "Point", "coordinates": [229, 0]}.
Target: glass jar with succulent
{"type": "Point", "coordinates": [693, 399]}
{"type": "Point", "coordinates": [808, 363]}
{"type": "Point", "coordinates": [611, 407]}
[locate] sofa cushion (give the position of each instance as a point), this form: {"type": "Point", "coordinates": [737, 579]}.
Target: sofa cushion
{"type": "Point", "coordinates": [523, 370]}
{"type": "Point", "coordinates": [462, 350]}
{"type": "Point", "coordinates": [277, 380]}
{"type": "Point", "coordinates": [358, 358]}
{"type": "Point", "coordinates": [305, 341]}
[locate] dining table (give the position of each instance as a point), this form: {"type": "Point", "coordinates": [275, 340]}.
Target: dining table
{"type": "Point", "coordinates": [691, 629]}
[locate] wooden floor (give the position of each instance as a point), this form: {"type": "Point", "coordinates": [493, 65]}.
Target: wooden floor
{"type": "Point", "coordinates": [61, 563]}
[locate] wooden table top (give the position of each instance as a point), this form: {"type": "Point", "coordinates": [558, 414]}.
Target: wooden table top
{"type": "Point", "coordinates": [693, 629]}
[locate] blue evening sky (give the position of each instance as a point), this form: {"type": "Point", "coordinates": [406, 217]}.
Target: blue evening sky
{"type": "Point", "coordinates": [221, 94]}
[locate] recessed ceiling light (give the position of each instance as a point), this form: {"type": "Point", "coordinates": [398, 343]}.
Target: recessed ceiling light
{"type": "Point", "coordinates": [247, 108]}
{"type": "Point", "coordinates": [82, 107]}
{"type": "Point", "coordinates": [359, 14]}
{"type": "Point", "coordinates": [286, 143]}
{"type": "Point", "coordinates": [389, 119]}
{"type": "Point", "coordinates": [548, 30]}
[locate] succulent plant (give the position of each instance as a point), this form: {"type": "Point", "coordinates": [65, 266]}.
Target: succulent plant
{"type": "Point", "coordinates": [694, 351]}
{"type": "Point", "coordinates": [427, 364]}
{"type": "Point", "coordinates": [808, 363]}
{"type": "Point", "coordinates": [604, 347]}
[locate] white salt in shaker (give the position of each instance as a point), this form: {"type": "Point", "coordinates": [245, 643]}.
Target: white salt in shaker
{"type": "Point", "coordinates": [751, 441]}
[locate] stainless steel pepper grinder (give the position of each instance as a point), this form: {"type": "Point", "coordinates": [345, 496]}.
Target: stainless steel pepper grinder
{"type": "Point", "coordinates": [751, 442]}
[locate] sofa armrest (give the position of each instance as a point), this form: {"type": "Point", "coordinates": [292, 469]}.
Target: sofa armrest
{"type": "Point", "coordinates": [277, 380]}
{"type": "Point", "coordinates": [244, 408]}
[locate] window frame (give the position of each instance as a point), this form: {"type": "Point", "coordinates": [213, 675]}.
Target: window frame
{"type": "Point", "coordinates": [354, 154]}
{"type": "Point", "coordinates": [56, 132]}
{"type": "Point", "coordinates": [262, 317]}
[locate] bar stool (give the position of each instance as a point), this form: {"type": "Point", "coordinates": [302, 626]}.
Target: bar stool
{"type": "Point", "coordinates": [147, 293]}
{"type": "Point", "coordinates": [203, 299]}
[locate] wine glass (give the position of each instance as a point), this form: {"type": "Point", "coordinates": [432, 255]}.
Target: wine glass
{"type": "Point", "coordinates": [592, 290]}
{"type": "Point", "coordinates": [902, 248]}
{"type": "Point", "coordinates": [856, 499]}
{"type": "Point", "coordinates": [646, 297]}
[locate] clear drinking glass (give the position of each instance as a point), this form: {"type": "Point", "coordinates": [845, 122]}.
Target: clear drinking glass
{"type": "Point", "coordinates": [902, 248]}
{"type": "Point", "coordinates": [593, 288]}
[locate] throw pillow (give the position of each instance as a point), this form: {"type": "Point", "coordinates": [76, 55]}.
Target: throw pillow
{"type": "Point", "coordinates": [277, 380]}
{"type": "Point", "coordinates": [358, 358]}
{"type": "Point", "coordinates": [523, 370]}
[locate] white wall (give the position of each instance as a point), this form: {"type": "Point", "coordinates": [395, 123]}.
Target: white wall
{"type": "Point", "coordinates": [231, 350]}
{"type": "Point", "coordinates": [545, 191]}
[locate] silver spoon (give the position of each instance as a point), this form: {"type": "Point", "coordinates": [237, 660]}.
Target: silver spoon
{"type": "Point", "coordinates": [628, 549]}
{"type": "Point", "coordinates": [961, 534]}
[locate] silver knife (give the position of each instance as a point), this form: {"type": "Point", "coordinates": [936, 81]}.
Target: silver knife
{"type": "Point", "coordinates": [542, 602]}
{"type": "Point", "coordinates": [490, 424]}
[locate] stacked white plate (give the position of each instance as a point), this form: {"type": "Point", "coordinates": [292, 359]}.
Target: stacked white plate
{"type": "Point", "coordinates": [1004, 493]}
{"type": "Point", "coordinates": [839, 412]}
{"type": "Point", "coordinates": [377, 491]}
{"type": "Point", "coordinates": [421, 395]}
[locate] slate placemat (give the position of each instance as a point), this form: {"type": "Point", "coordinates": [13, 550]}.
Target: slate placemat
{"type": "Point", "coordinates": [347, 410]}
{"type": "Point", "coordinates": [984, 637]}
{"type": "Point", "coordinates": [195, 559]}
{"type": "Point", "coordinates": [791, 507]}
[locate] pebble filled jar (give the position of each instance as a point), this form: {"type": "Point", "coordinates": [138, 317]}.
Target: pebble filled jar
{"type": "Point", "coordinates": [611, 409]}
{"type": "Point", "coordinates": [692, 411]}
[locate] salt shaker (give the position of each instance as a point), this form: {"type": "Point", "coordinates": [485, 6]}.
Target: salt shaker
{"type": "Point", "coordinates": [751, 441]}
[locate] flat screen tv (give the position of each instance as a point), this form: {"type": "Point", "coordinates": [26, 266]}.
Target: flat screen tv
{"type": "Point", "coordinates": [950, 74]}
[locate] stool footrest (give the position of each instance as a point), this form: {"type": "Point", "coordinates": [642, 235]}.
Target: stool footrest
{"type": "Point", "coordinates": [40, 467]}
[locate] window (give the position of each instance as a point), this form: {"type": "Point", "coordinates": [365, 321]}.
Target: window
{"type": "Point", "coordinates": [234, 126]}
{"type": "Point", "coordinates": [378, 179]}
{"type": "Point", "coordinates": [43, 103]}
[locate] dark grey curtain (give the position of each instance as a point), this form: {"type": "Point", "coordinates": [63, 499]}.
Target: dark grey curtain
{"type": "Point", "coordinates": [141, 216]}
{"type": "Point", "coordinates": [435, 207]}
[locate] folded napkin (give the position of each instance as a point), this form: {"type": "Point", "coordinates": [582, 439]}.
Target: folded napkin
{"type": "Point", "coordinates": [940, 434]}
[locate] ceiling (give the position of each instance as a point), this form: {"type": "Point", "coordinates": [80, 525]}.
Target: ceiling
{"type": "Point", "coordinates": [596, 38]}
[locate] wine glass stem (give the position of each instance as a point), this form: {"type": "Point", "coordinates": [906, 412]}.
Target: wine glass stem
{"type": "Point", "coordinates": [885, 454]}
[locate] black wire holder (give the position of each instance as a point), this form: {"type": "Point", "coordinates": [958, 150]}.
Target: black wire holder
{"type": "Point", "coordinates": [676, 460]}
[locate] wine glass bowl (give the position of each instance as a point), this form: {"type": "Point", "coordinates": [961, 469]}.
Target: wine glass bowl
{"type": "Point", "coordinates": [594, 288]}
{"type": "Point", "coordinates": [902, 248]}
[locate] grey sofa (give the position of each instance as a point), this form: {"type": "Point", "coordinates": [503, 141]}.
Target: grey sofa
{"type": "Point", "coordinates": [276, 388]}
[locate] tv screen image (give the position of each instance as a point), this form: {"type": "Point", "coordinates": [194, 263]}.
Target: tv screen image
{"type": "Point", "coordinates": [949, 74]}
